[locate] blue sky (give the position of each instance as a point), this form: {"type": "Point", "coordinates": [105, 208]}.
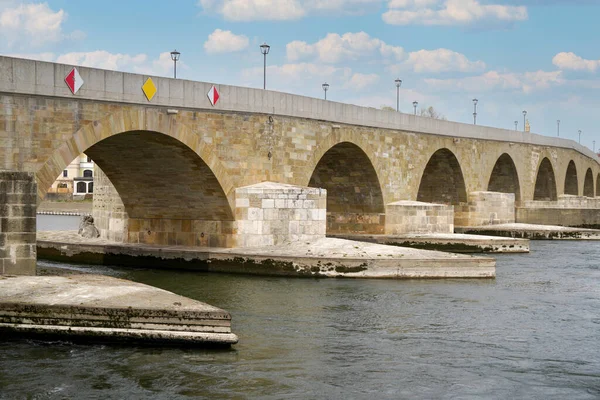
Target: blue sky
{"type": "Point", "coordinates": [542, 56]}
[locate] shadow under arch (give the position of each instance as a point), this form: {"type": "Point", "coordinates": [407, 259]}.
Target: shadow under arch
{"type": "Point", "coordinates": [588, 184]}
{"type": "Point", "coordinates": [159, 177]}
{"type": "Point", "coordinates": [442, 180]}
{"type": "Point", "coordinates": [129, 120]}
{"type": "Point", "coordinates": [504, 177]}
{"type": "Point", "coordinates": [545, 182]}
{"type": "Point", "coordinates": [354, 197]}
{"type": "Point", "coordinates": [571, 183]}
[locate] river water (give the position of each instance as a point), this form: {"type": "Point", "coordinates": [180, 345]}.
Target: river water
{"type": "Point", "coordinates": [533, 332]}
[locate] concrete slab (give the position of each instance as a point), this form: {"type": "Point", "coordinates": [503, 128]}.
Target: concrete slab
{"type": "Point", "coordinates": [326, 257]}
{"type": "Point", "coordinates": [454, 243]}
{"type": "Point", "coordinates": [532, 232]}
{"type": "Point", "coordinates": [93, 307]}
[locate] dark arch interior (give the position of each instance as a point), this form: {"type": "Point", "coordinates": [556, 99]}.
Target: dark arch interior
{"type": "Point", "coordinates": [442, 180]}
{"type": "Point", "coordinates": [354, 197]}
{"type": "Point", "coordinates": [598, 185]}
{"type": "Point", "coordinates": [504, 178]}
{"type": "Point", "coordinates": [545, 183]}
{"type": "Point", "coordinates": [588, 184]}
{"type": "Point", "coordinates": [571, 186]}
{"type": "Point", "coordinates": [157, 176]}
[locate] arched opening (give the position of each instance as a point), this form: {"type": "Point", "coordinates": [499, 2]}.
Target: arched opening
{"type": "Point", "coordinates": [504, 178]}
{"type": "Point", "coordinates": [442, 180]}
{"type": "Point", "coordinates": [571, 186]}
{"type": "Point", "coordinates": [588, 184]}
{"type": "Point", "coordinates": [354, 197]}
{"type": "Point", "coordinates": [165, 193]}
{"type": "Point", "coordinates": [81, 187]}
{"type": "Point", "coordinates": [87, 173]}
{"type": "Point", "coordinates": [545, 182]}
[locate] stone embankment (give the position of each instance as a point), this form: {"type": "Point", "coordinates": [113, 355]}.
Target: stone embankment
{"type": "Point", "coordinates": [101, 308]}
{"type": "Point", "coordinates": [326, 257]}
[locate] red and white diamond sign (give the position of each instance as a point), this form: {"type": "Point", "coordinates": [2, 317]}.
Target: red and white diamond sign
{"type": "Point", "coordinates": [74, 80]}
{"type": "Point", "coordinates": [213, 95]}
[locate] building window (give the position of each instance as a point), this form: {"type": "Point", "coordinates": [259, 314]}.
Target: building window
{"type": "Point", "coordinates": [65, 173]}
{"type": "Point", "coordinates": [87, 173]}
{"type": "Point", "coordinates": [80, 187]}
{"type": "Point", "coordinates": [62, 186]}
{"type": "Point", "coordinates": [91, 187]}
{"type": "Point", "coordinates": [89, 159]}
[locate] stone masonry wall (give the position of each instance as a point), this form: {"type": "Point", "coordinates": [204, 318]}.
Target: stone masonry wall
{"type": "Point", "coordinates": [270, 214]}
{"type": "Point", "coordinates": [110, 217]}
{"type": "Point", "coordinates": [486, 208]}
{"type": "Point", "coordinates": [404, 217]}
{"type": "Point", "coordinates": [18, 196]}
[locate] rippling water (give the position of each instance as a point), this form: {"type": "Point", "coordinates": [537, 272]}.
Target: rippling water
{"type": "Point", "coordinates": [534, 332]}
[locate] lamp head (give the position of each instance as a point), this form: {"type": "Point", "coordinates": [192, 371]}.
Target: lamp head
{"type": "Point", "coordinates": [398, 82]}
{"type": "Point", "coordinates": [325, 86]}
{"type": "Point", "coordinates": [175, 55]}
{"type": "Point", "coordinates": [264, 48]}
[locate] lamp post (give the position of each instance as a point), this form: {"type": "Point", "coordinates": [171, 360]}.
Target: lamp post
{"type": "Point", "coordinates": [579, 131]}
{"type": "Point", "coordinates": [325, 89]}
{"type": "Point", "coordinates": [594, 144]}
{"type": "Point", "coordinates": [264, 49]}
{"type": "Point", "coordinates": [398, 84]}
{"type": "Point", "coordinates": [558, 127]}
{"type": "Point", "coordinates": [475, 101]}
{"type": "Point", "coordinates": [524, 120]}
{"type": "Point", "coordinates": [175, 57]}
{"type": "Point", "coordinates": [516, 125]}
{"type": "Point", "coordinates": [415, 104]}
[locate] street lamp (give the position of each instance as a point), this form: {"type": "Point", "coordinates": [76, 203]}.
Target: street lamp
{"type": "Point", "coordinates": [558, 127]}
{"type": "Point", "coordinates": [325, 89]}
{"type": "Point", "coordinates": [264, 49]}
{"type": "Point", "coordinates": [594, 144]}
{"type": "Point", "coordinates": [175, 57]}
{"type": "Point", "coordinates": [516, 125]}
{"type": "Point", "coordinates": [475, 101]}
{"type": "Point", "coordinates": [415, 104]}
{"type": "Point", "coordinates": [398, 84]}
{"type": "Point", "coordinates": [524, 121]}
{"type": "Point", "coordinates": [579, 131]}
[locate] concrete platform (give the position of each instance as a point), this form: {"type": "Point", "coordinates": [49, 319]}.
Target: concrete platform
{"type": "Point", "coordinates": [101, 308]}
{"type": "Point", "coordinates": [325, 257]}
{"type": "Point", "coordinates": [454, 243]}
{"type": "Point", "coordinates": [532, 232]}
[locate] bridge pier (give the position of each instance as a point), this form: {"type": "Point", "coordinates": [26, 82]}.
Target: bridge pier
{"type": "Point", "coordinates": [568, 210]}
{"type": "Point", "coordinates": [18, 204]}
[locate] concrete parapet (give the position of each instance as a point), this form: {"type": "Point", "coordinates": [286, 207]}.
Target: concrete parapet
{"type": "Point", "coordinates": [271, 213]}
{"type": "Point", "coordinates": [486, 208]}
{"type": "Point", "coordinates": [404, 217]}
{"type": "Point", "coordinates": [18, 197]}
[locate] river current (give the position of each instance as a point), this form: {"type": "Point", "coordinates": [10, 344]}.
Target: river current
{"type": "Point", "coordinates": [533, 332]}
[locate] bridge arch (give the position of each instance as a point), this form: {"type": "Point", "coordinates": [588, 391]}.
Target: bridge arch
{"type": "Point", "coordinates": [588, 184]}
{"type": "Point", "coordinates": [354, 198]}
{"type": "Point", "coordinates": [504, 177]}
{"type": "Point", "coordinates": [442, 180]}
{"type": "Point", "coordinates": [545, 182]}
{"type": "Point", "coordinates": [571, 183]}
{"type": "Point", "coordinates": [133, 120]}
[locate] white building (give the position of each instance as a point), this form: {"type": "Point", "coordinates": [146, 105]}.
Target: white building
{"type": "Point", "coordinates": [76, 180]}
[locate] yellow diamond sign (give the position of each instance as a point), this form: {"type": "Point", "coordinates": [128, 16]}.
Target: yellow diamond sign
{"type": "Point", "coordinates": [149, 89]}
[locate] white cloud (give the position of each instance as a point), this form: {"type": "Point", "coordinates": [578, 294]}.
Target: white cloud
{"type": "Point", "coordinates": [139, 63]}
{"type": "Point", "coordinates": [572, 61]}
{"type": "Point", "coordinates": [25, 25]}
{"type": "Point", "coordinates": [282, 10]}
{"type": "Point", "coordinates": [349, 46]}
{"type": "Point", "coordinates": [360, 81]}
{"type": "Point", "coordinates": [225, 42]}
{"type": "Point", "coordinates": [450, 12]}
{"type": "Point", "coordinates": [493, 80]}
{"type": "Point", "coordinates": [442, 60]}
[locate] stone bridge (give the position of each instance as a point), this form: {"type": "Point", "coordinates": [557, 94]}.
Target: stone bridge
{"type": "Point", "coordinates": [178, 169]}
